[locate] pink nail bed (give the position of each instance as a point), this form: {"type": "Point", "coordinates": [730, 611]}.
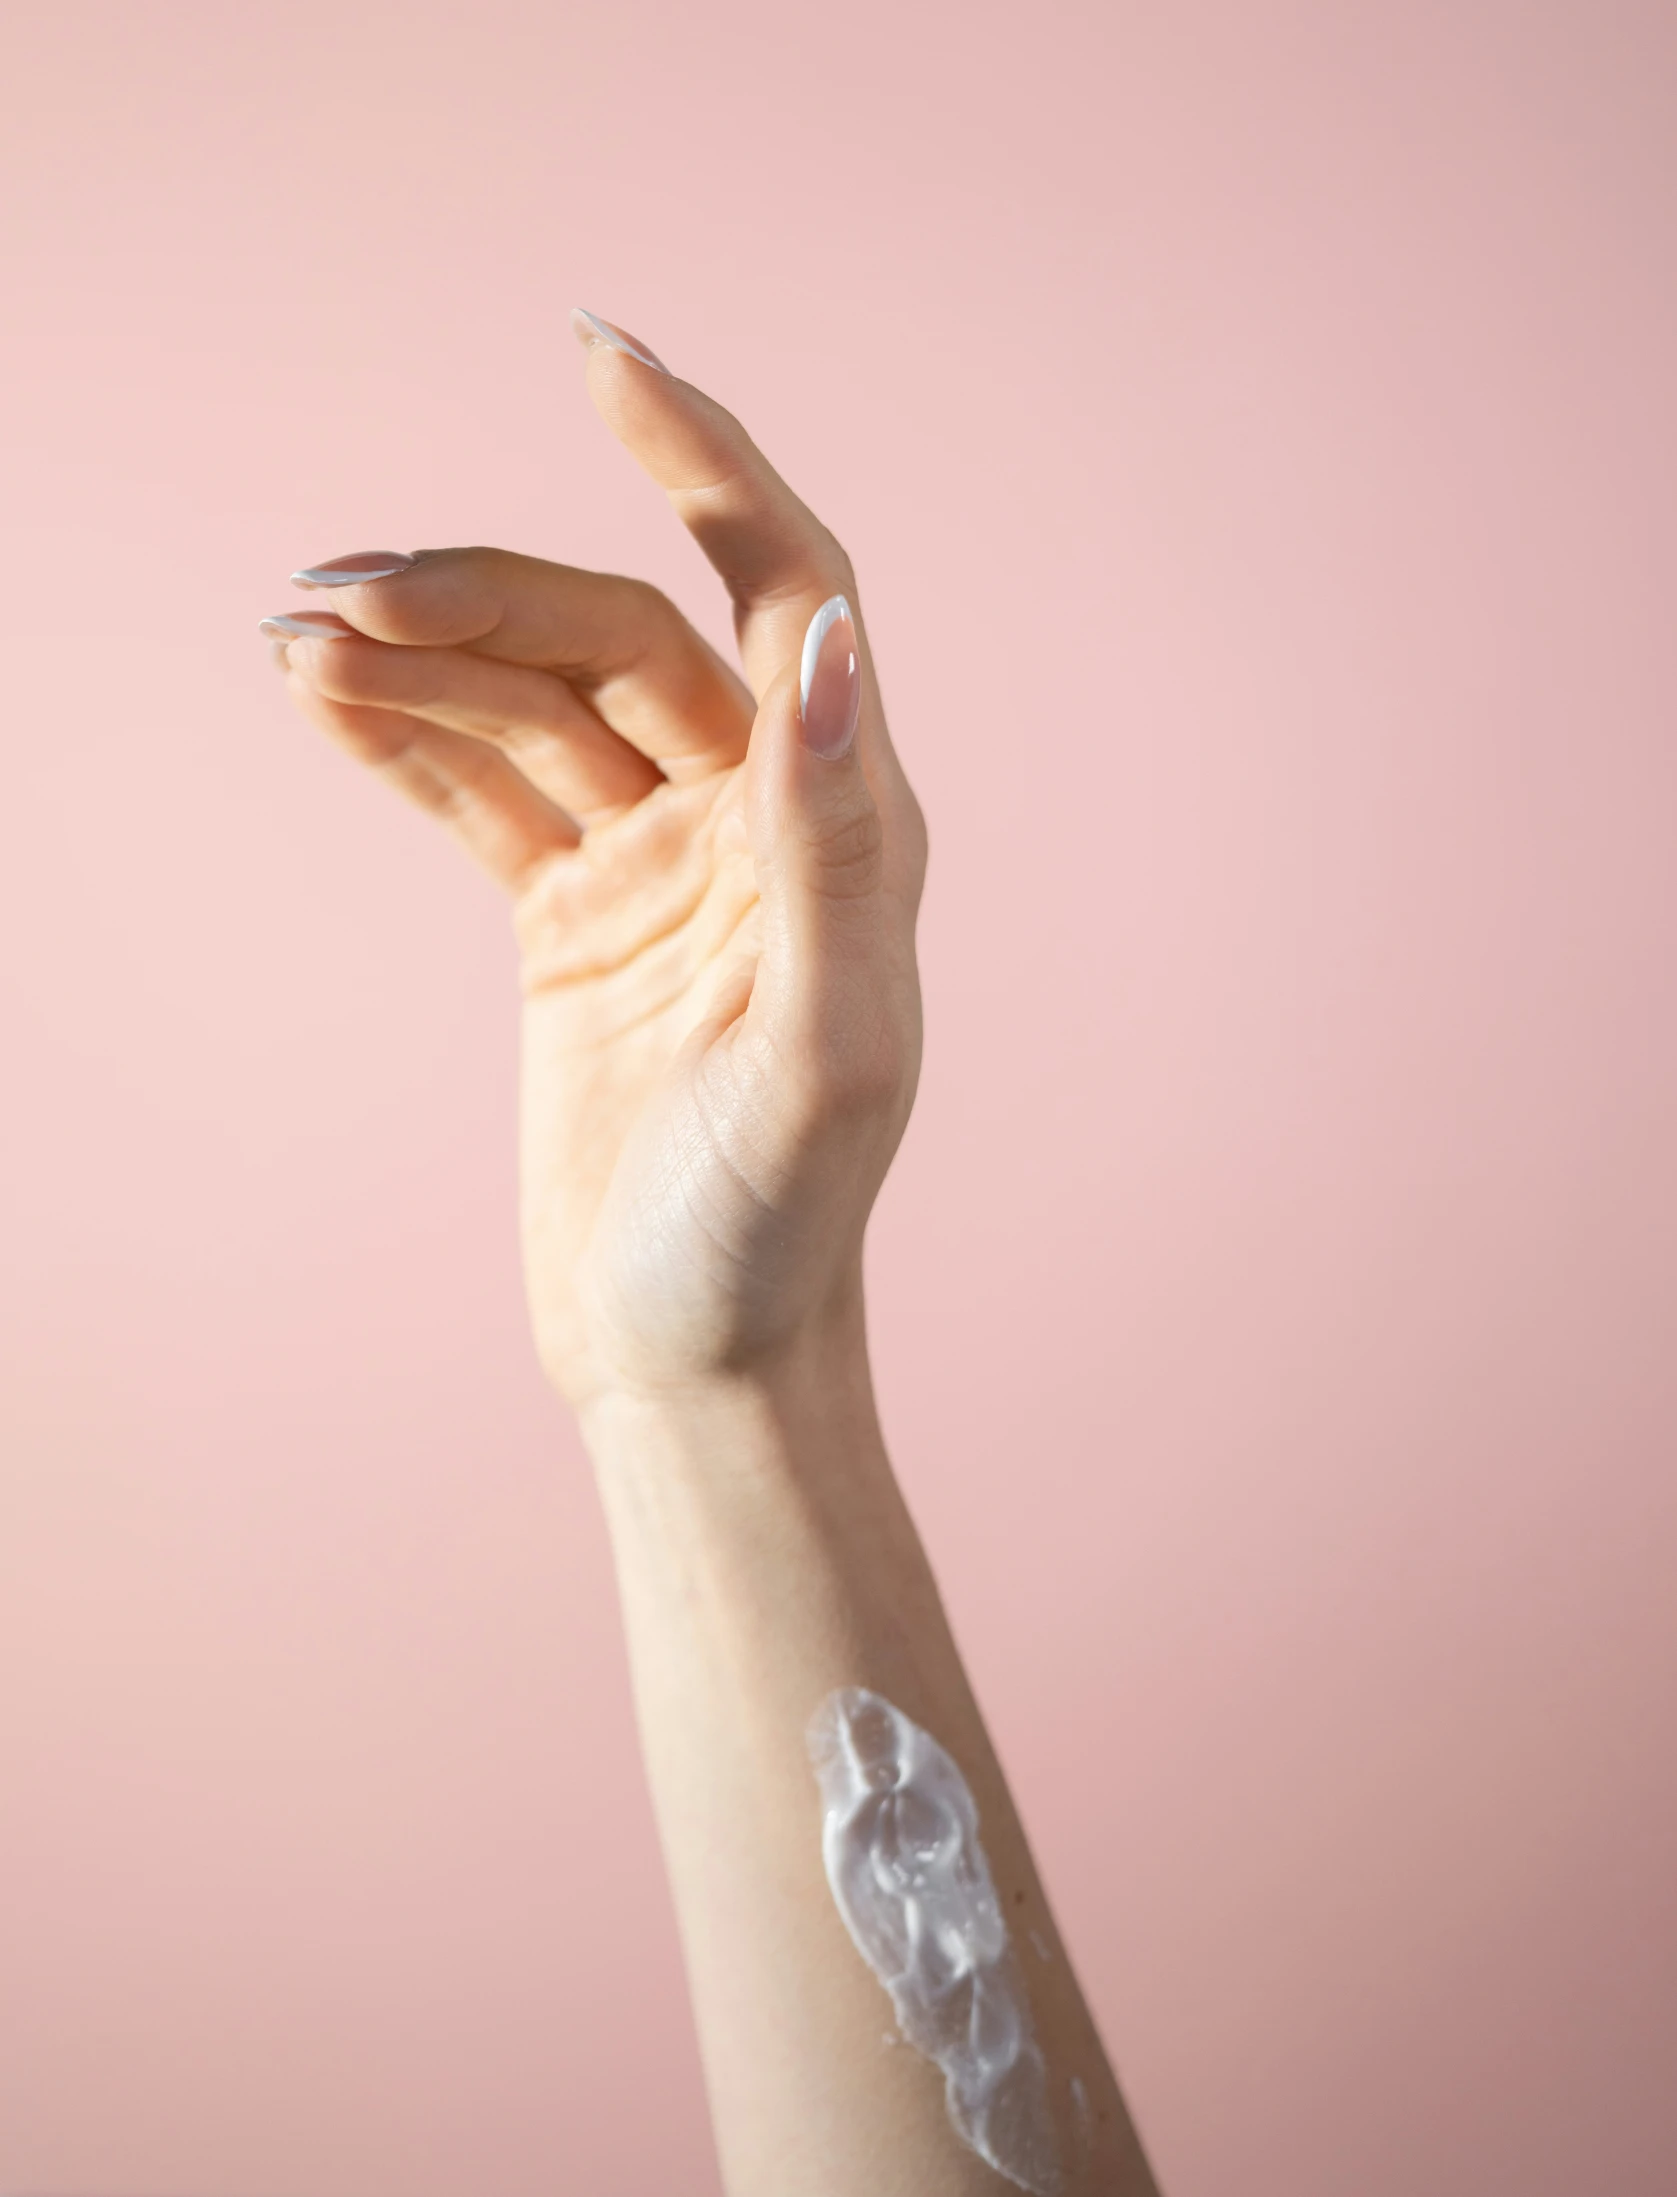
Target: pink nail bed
{"type": "Point", "coordinates": [354, 570]}
{"type": "Point", "coordinates": [830, 681]}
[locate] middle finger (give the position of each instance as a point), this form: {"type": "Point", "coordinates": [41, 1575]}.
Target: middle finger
{"type": "Point", "coordinates": [556, 740]}
{"type": "Point", "coordinates": [622, 647]}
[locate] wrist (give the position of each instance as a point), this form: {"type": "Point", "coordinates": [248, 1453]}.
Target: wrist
{"type": "Point", "coordinates": [808, 1403]}
{"type": "Point", "coordinates": [819, 1355]}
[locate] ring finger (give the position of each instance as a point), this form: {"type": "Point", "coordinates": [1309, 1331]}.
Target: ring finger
{"type": "Point", "coordinates": [535, 718]}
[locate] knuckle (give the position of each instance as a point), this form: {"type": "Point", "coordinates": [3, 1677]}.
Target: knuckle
{"type": "Point", "coordinates": [836, 559]}
{"type": "Point", "coordinates": [655, 611]}
{"type": "Point", "coordinates": [638, 617]}
{"type": "Point", "coordinates": [847, 853]}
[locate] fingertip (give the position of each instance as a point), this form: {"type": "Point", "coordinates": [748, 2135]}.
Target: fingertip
{"type": "Point", "coordinates": [442, 598]}
{"type": "Point", "coordinates": [804, 787]}
{"type": "Point", "coordinates": [593, 334]}
{"type": "Point", "coordinates": [305, 625]}
{"type": "Point", "coordinates": [355, 570]}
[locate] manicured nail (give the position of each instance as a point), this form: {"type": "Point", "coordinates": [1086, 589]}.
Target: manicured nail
{"type": "Point", "coordinates": [366, 564]}
{"type": "Point", "coordinates": [306, 625]}
{"type": "Point", "coordinates": [589, 330]}
{"type": "Point", "coordinates": [830, 680]}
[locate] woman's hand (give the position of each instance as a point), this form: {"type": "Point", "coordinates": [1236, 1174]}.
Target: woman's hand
{"type": "Point", "coordinates": [714, 896]}
{"type": "Point", "coordinates": [715, 900]}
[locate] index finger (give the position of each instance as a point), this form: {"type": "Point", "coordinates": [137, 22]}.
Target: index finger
{"type": "Point", "coordinates": [778, 561]}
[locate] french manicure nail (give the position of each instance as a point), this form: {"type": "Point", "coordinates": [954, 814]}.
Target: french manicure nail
{"type": "Point", "coordinates": [590, 330]}
{"type": "Point", "coordinates": [306, 625]}
{"type": "Point", "coordinates": [830, 681]}
{"type": "Point", "coordinates": [353, 571]}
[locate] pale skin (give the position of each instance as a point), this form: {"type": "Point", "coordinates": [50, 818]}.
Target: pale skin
{"type": "Point", "coordinates": [714, 898]}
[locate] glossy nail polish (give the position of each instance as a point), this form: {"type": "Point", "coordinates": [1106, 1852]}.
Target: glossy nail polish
{"type": "Point", "coordinates": [355, 570]}
{"type": "Point", "coordinates": [589, 330]}
{"type": "Point", "coordinates": [830, 681]}
{"type": "Point", "coordinates": [305, 625]}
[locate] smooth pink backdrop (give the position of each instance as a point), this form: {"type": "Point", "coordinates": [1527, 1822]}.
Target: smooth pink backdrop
{"type": "Point", "coordinates": [1253, 422]}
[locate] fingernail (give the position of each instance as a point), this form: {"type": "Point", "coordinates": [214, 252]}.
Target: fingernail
{"type": "Point", "coordinates": [366, 564]}
{"type": "Point", "coordinates": [830, 680]}
{"type": "Point", "coordinates": [307, 625]}
{"type": "Point", "coordinates": [589, 329]}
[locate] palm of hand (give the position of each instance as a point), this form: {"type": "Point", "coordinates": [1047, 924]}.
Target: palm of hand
{"type": "Point", "coordinates": [637, 1165]}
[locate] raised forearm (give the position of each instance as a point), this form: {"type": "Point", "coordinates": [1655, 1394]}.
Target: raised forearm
{"type": "Point", "coordinates": [767, 1561]}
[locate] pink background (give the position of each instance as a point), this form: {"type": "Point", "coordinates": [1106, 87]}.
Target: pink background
{"type": "Point", "coordinates": [1253, 425]}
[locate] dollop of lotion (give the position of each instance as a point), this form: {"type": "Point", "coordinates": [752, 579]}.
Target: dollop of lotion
{"type": "Point", "coordinates": [900, 1840]}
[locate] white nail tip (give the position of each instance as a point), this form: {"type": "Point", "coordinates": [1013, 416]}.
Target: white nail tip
{"type": "Point", "coordinates": [320, 576]}
{"type": "Point", "coordinates": [594, 330]}
{"type": "Point", "coordinates": [828, 616]}
{"type": "Point", "coordinates": [303, 629]}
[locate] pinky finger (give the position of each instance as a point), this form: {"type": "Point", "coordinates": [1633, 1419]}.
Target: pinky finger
{"type": "Point", "coordinates": [501, 819]}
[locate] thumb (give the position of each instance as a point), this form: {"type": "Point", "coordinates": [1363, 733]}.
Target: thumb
{"type": "Point", "coordinates": [818, 844]}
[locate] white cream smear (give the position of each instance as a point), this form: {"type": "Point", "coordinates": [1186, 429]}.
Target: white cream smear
{"type": "Point", "coordinates": [900, 1840]}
